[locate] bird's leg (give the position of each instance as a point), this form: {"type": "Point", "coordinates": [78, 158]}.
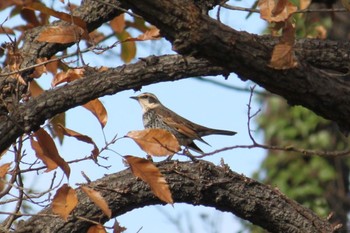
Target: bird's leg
{"type": "Point", "coordinates": [187, 153]}
{"type": "Point", "coordinates": [169, 158]}
{"type": "Point", "coordinates": [149, 157]}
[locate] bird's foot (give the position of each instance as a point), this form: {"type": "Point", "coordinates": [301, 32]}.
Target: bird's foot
{"type": "Point", "coordinates": [187, 153]}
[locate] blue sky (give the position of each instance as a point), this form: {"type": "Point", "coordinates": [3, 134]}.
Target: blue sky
{"type": "Point", "coordinates": [198, 101]}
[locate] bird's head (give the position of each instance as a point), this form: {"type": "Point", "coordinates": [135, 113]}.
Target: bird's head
{"type": "Point", "coordinates": [147, 101]}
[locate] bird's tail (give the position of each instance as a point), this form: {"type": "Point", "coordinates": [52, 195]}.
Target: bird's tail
{"type": "Point", "coordinates": [221, 132]}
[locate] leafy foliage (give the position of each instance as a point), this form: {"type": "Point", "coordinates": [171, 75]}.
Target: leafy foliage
{"type": "Point", "coordinates": [306, 179]}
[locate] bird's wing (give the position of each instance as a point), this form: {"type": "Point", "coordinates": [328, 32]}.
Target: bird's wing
{"type": "Point", "coordinates": [181, 124]}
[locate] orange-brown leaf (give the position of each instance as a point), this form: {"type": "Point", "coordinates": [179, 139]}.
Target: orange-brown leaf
{"type": "Point", "coordinates": [80, 137]}
{"type": "Point", "coordinates": [149, 173]}
{"type": "Point", "coordinates": [4, 169]}
{"type": "Point", "coordinates": [64, 202]}
{"type": "Point", "coordinates": [29, 16]}
{"type": "Point", "coordinates": [67, 76]}
{"type": "Point", "coordinates": [283, 53]}
{"type": "Point", "coordinates": [52, 66]}
{"type": "Point", "coordinates": [62, 34]}
{"type": "Point", "coordinates": [97, 229]}
{"type": "Point", "coordinates": [50, 150]}
{"type": "Point", "coordinates": [279, 7]}
{"type": "Point", "coordinates": [152, 34]}
{"type": "Point", "coordinates": [96, 107]}
{"type": "Point", "coordinates": [118, 23]}
{"type": "Point", "coordinates": [35, 89]}
{"type": "Point", "coordinates": [39, 70]}
{"type": "Point", "coordinates": [50, 164]}
{"type": "Point", "coordinates": [282, 57]}
{"type": "Point", "coordinates": [156, 142]}
{"type": "Point", "coordinates": [269, 10]}
{"type": "Point", "coordinates": [60, 15]}
{"type": "Point", "coordinates": [6, 30]}
{"type": "Point", "coordinates": [98, 200]}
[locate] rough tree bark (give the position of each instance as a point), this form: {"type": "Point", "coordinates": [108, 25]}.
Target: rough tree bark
{"type": "Point", "coordinates": [199, 183]}
{"type": "Point", "coordinates": [320, 83]}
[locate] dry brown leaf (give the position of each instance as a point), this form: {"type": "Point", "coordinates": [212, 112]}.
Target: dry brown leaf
{"type": "Point", "coordinates": [98, 200]}
{"type": "Point", "coordinates": [52, 67]}
{"type": "Point", "coordinates": [269, 8]}
{"type": "Point", "coordinates": [64, 202]}
{"type": "Point", "coordinates": [4, 169]}
{"type": "Point", "coordinates": [29, 16]}
{"type": "Point", "coordinates": [156, 142]}
{"type": "Point", "coordinates": [62, 34]}
{"type": "Point", "coordinates": [97, 229]}
{"type": "Point", "coordinates": [282, 57]}
{"type": "Point", "coordinates": [14, 62]}
{"type": "Point", "coordinates": [39, 70]}
{"type": "Point", "coordinates": [118, 23]}
{"type": "Point", "coordinates": [67, 76]}
{"type": "Point", "coordinates": [35, 89]}
{"type": "Point", "coordinates": [49, 149]}
{"type": "Point", "coordinates": [152, 34]}
{"type": "Point", "coordinates": [6, 30]}
{"type": "Point", "coordinates": [80, 137]}
{"type": "Point", "coordinates": [50, 164]}
{"type": "Point", "coordinates": [97, 36]}
{"type": "Point", "coordinates": [283, 53]}
{"type": "Point", "coordinates": [288, 33]}
{"type": "Point", "coordinates": [117, 228]}
{"type": "Point", "coordinates": [279, 7]}
{"type": "Point", "coordinates": [96, 107]}
{"type": "Point", "coordinates": [149, 173]}
{"type": "Point", "coordinates": [60, 15]}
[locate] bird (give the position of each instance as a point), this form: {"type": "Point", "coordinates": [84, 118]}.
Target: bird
{"type": "Point", "coordinates": [156, 115]}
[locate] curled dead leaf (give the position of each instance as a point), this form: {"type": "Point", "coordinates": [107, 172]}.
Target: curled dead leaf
{"type": "Point", "coordinates": [96, 107]}
{"type": "Point", "coordinates": [4, 169]}
{"type": "Point", "coordinates": [40, 154]}
{"type": "Point", "coordinates": [62, 34]}
{"type": "Point", "coordinates": [97, 229]}
{"type": "Point", "coordinates": [151, 34]}
{"type": "Point", "coordinates": [283, 52]}
{"type": "Point", "coordinates": [80, 137]}
{"type": "Point", "coordinates": [118, 23]}
{"type": "Point", "coordinates": [35, 89]}
{"type": "Point", "coordinates": [149, 173]}
{"type": "Point", "coordinates": [98, 200]}
{"type": "Point", "coordinates": [272, 12]}
{"type": "Point", "coordinates": [64, 201]}
{"type": "Point", "coordinates": [67, 76]}
{"type": "Point", "coordinates": [48, 150]}
{"type": "Point", "coordinates": [156, 142]}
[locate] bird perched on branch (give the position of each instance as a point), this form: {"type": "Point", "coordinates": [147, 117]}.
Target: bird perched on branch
{"type": "Point", "coordinates": [156, 115]}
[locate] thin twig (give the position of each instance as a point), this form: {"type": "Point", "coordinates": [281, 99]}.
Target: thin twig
{"type": "Point", "coordinates": [119, 8]}
{"type": "Point", "coordinates": [255, 144]}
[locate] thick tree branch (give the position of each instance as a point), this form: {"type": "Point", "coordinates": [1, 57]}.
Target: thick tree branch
{"type": "Point", "coordinates": [200, 183]}
{"type": "Point", "coordinates": [325, 91]}
{"type": "Point", "coordinates": [30, 115]}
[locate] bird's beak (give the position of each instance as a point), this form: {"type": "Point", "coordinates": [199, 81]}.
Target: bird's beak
{"type": "Point", "coordinates": [134, 97]}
